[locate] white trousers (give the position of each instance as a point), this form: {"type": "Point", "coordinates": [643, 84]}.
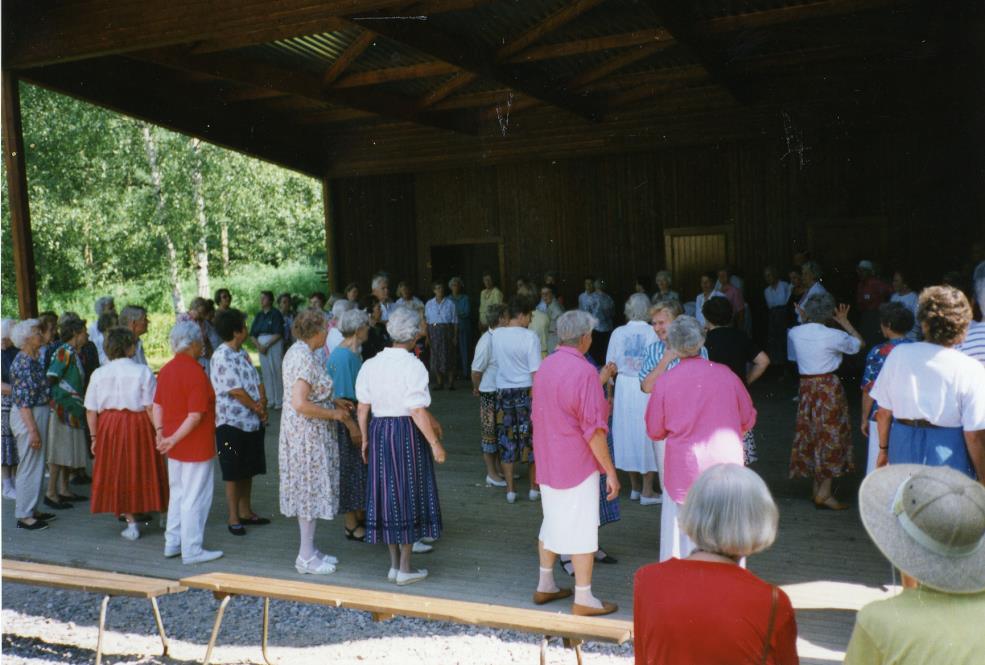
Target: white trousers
{"type": "Point", "coordinates": [673, 541]}
{"type": "Point", "coordinates": [270, 372]}
{"type": "Point", "coordinates": [191, 499]}
{"type": "Point", "coordinates": [870, 463]}
{"type": "Point", "coordinates": [659, 450]}
{"type": "Point", "coordinates": [30, 470]}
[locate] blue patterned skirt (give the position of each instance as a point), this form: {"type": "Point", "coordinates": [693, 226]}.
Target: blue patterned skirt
{"type": "Point", "coordinates": [402, 494]}
{"type": "Point", "coordinates": [352, 473]}
{"type": "Point", "coordinates": [608, 510]}
{"type": "Point", "coordinates": [514, 430]}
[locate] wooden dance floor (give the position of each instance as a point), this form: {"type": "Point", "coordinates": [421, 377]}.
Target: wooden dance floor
{"type": "Point", "coordinates": [488, 552]}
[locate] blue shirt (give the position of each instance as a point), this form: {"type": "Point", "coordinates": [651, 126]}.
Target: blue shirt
{"type": "Point", "coordinates": [343, 366]}
{"type": "Point", "coordinates": [462, 305]}
{"type": "Point", "coordinates": [267, 323]}
{"type": "Point", "coordinates": [655, 353]}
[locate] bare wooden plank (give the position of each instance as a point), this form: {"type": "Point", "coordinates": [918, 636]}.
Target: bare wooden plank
{"type": "Point", "coordinates": [81, 579]}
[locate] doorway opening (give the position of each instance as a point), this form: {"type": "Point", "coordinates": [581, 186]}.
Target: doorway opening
{"type": "Point", "coordinates": [468, 260]}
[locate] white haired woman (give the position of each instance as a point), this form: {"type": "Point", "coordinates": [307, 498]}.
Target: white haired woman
{"type": "Point", "coordinates": [8, 452]}
{"type": "Point", "coordinates": [810, 278]}
{"type": "Point", "coordinates": [822, 442]}
{"type": "Point", "coordinates": [402, 494]}
{"type": "Point", "coordinates": [267, 335]}
{"type": "Point", "coordinates": [702, 410]}
{"type": "Point", "coordinates": [664, 292]}
{"type": "Point", "coordinates": [729, 514]}
{"type": "Point", "coordinates": [335, 335]}
{"type": "Point", "coordinates": [343, 366]}
{"type": "Point", "coordinates": [309, 453]}
{"type": "Point", "coordinates": [634, 451]}
{"type": "Point", "coordinates": [484, 387]}
{"type": "Point", "coordinates": [29, 422]}
{"type": "Point", "coordinates": [184, 419]}
{"type": "Point", "coordinates": [442, 320]}
{"type": "Point", "coordinates": [67, 445]}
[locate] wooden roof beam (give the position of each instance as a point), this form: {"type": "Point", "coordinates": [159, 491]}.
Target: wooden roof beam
{"type": "Point", "coordinates": [595, 44]}
{"type": "Point", "coordinates": [362, 42]}
{"type": "Point", "coordinates": [790, 14]}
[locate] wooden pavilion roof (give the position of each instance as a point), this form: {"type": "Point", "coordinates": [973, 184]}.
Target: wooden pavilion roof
{"type": "Point", "coordinates": [356, 86]}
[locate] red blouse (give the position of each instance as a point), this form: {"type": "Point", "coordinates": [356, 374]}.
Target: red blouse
{"type": "Point", "coordinates": [704, 612]}
{"type": "Point", "coordinates": [183, 388]}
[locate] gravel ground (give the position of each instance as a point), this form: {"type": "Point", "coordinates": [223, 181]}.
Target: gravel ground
{"type": "Point", "coordinates": [49, 625]}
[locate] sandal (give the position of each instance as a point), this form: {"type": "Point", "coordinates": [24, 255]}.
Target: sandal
{"type": "Point", "coordinates": [830, 503]}
{"type": "Point", "coordinates": [350, 534]}
{"type": "Point", "coordinates": [567, 566]}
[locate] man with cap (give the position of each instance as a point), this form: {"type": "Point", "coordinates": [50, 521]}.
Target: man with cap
{"type": "Point", "coordinates": [869, 295]}
{"type": "Point", "coordinates": [930, 523]}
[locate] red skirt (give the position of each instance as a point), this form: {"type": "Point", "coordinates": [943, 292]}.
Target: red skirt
{"type": "Point", "coordinates": [128, 474]}
{"type": "Point", "coordinates": [822, 441]}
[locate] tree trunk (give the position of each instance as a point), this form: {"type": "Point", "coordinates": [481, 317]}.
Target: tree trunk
{"type": "Point", "coordinates": [172, 253]}
{"type": "Point", "coordinates": [224, 241]}
{"type": "Point", "coordinates": [202, 246]}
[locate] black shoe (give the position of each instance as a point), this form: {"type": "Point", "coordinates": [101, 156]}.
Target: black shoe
{"type": "Point", "coordinates": [72, 498]}
{"type": "Point", "coordinates": [47, 517]}
{"type": "Point", "coordinates": [36, 525]}
{"type": "Point", "coordinates": [80, 480]}
{"type": "Point", "coordinates": [57, 505]}
{"type": "Point", "coordinates": [254, 520]}
{"type": "Point", "coordinates": [350, 534]}
{"type": "Point", "coordinates": [236, 529]}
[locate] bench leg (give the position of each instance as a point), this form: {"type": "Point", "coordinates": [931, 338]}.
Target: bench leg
{"type": "Point", "coordinates": [543, 651]}
{"type": "Point", "coordinates": [160, 625]}
{"type": "Point", "coordinates": [266, 626]}
{"type": "Point", "coordinates": [215, 629]}
{"type": "Point", "coordinates": [102, 626]}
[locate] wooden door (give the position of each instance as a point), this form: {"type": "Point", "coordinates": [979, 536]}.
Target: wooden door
{"type": "Point", "coordinates": [692, 251]}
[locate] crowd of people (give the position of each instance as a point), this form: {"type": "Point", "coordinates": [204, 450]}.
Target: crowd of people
{"type": "Point", "coordinates": [572, 396]}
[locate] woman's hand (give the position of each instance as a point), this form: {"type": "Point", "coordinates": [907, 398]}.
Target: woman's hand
{"type": "Point", "coordinates": [438, 451]}
{"type": "Point", "coordinates": [608, 372]}
{"type": "Point", "coordinates": [166, 443]}
{"type": "Point", "coordinates": [612, 487]}
{"type": "Point", "coordinates": [841, 314]}
{"type": "Point", "coordinates": [345, 404]}
{"type": "Point", "coordinates": [865, 427]}
{"type": "Point", "coordinates": [34, 439]}
{"type": "Point", "coordinates": [92, 447]}
{"type": "Point", "coordinates": [882, 459]}
{"type": "Point", "coordinates": [365, 452]}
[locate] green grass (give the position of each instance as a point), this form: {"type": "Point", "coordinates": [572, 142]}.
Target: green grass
{"type": "Point", "coordinates": [245, 282]}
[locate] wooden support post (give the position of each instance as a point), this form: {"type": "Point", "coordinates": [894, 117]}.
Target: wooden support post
{"type": "Point", "coordinates": [331, 249]}
{"type": "Point", "coordinates": [20, 215]}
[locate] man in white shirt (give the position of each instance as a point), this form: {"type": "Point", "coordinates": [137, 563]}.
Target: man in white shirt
{"type": "Point", "coordinates": [134, 317]}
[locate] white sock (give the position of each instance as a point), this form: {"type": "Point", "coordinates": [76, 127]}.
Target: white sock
{"type": "Point", "coordinates": [307, 549]}
{"type": "Point", "coordinates": [583, 596]}
{"type": "Point", "coordinates": [546, 583]}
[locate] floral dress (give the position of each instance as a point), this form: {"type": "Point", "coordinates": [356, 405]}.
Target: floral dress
{"type": "Point", "coordinates": [308, 455]}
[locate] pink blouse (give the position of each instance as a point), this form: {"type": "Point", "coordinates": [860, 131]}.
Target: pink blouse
{"type": "Point", "coordinates": [702, 409]}
{"type": "Point", "coordinates": [568, 408]}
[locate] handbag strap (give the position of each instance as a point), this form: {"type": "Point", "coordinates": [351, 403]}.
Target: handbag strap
{"type": "Point", "coordinates": [769, 626]}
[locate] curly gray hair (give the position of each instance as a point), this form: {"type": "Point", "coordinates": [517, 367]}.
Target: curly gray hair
{"type": "Point", "coordinates": [8, 325]}
{"type": "Point", "coordinates": [351, 321]}
{"type": "Point", "coordinates": [341, 307]}
{"type": "Point", "coordinates": [456, 280]}
{"type": "Point", "coordinates": [183, 335]}
{"type": "Point", "coordinates": [686, 336]}
{"type": "Point", "coordinates": [23, 331]}
{"type": "Point", "coordinates": [819, 308]}
{"type": "Point", "coordinates": [637, 307]}
{"type": "Point", "coordinates": [404, 324]}
{"type": "Point", "coordinates": [573, 325]}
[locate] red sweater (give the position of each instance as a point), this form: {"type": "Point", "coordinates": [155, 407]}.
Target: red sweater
{"type": "Point", "coordinates": [701, 612]}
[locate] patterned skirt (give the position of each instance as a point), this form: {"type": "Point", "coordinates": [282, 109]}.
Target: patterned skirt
{"type": "Point", "coordinates": [128, 474]}
{"type": "Point", "coordinates": [608, 510]}
{"type": "Point", "coordinates": [401, 494]}
{"type": "Point", "coordinates": [8, 451]}
{"type": "Point", "coordinates": [442, 336]}
{"type": "Point", "coordinates": [514, 429]}
{"type": "Point", "coordinates": [749, 448]}
{"type": "Point", "coordinates": [352, 473]}
{"type": "Point", "coordinates": [822, 442]}
{"type": "Point", "coordinates": [487, 422]}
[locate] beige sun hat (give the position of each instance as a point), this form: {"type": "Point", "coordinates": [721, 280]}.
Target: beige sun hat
{"type": "Point", "coordinates": [929, 522]}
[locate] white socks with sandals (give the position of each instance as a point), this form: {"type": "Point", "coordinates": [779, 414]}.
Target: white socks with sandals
{"type": "Point", "coordinates": [546, 583]}
{"type": "Point", "coordinates": [583, 596]}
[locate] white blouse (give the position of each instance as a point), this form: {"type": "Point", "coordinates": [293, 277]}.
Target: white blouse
{"type": "Point", "coordinates": [393, 382]}
{"type": "Point", "coordinates": [627, 346]}
{"type": "Point", "coordinates": [484, 362]}
{"type": "Point", "coordinates": [818, 349]}
{"type": "Point", "coordinates": [517, 355]}
{"type": "Point", "coordinates": [121, 384]}
{"type": "Point", "coordinates": [777, 296]}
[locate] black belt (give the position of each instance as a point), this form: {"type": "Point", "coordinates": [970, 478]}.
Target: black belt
{"type": "Point", "coordinates": [926, 424]}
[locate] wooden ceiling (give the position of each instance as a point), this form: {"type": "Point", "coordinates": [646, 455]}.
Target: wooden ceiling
{"type": "Point", "coordinates": [357, 86]}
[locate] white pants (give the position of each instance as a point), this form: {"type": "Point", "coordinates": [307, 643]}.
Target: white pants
{"type": "Point", "coordinates": [270, 371]}
{"type": "Point", "coordinates": [191, 498]}
{"type": "Point", "coordinates": [30, 470]}
{"type": "Point", "coordinates": [870, 464]}
{"type": "Point", "coordinates": [673, 541]}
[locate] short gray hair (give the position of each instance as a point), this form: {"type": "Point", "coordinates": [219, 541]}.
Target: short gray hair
{"type": "Point", "coordinates": [183, 335]}
{"type": "Point", "coordinates": [573, 325]}
{"type": "Point", "coordinates": [456, 280]}
{"type": "Point", "coordinates": [637, 307]}
{"type": "Point", "coordinates": [102, 302]}
{"type": "Point", "coordinates": [729, 510]}
{"type": "Point", "coordinates": [978, 279]}
{"type": "Point", "coordinates": [686, 336]}
{"type": "Point", "coordinates": [22, 331]}
{"type": "Point", "coordinates": [403, 324]}
{"type": "Point", "coordinates": [131, 313]}
{"type": "Point", "coordinates": [819, 308]}
{"type": "Point", "coordinates": [351, 321]}
{"type": "Point", "coordinates": [379, 280]}
{"type": "Point", "coordinates": [814, 267]}
{"type": "Point", "coordinates": [341, 307]}
{"type": "Point", "coordinates": [664, 274]}
{"type": "Point", "coordinates": [8, 324]}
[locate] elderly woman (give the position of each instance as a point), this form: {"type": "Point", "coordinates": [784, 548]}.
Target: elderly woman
{"type": "Point", "coordinates": [223, 299]}
{"type": "Point", "coordinates": [267, 335]}
{"type": "Point", "coordinates": [8, 452]}
{"type": "Point", "coordinates": [285, 304]}
{"type": "Point", "coordinates": [570, 415]}
{"type": "Point", "coordinates": [810, 279]}
{"type": "Point", "coordinates": [67, 444]}
{"type": "Point", "coordinates": [702, 410]}
{"type": "Point", "coordinates": [664, 292]}
{"type": "Point", "coordinates": [822, 443]}
{"type": "Point", "coordinates": [129, 476]}
{"type": "Point", "coordinates": [406, 297]}
{"type": "Point", "coordinates": [490, 295]}
{"type": "Point", "coordinates": [729, 515]}
{"type": "Point", "coordinates": [335, 336]}
{"type": "Point", "coordinates": [931, 397]}
{"type": "Point", "coordinates": [240, 418]}
{"type": "Point", "coordinates": [549, 305]}
{"type": "Point", "coordinates": [634, 451]}
{"type": "Point", "coordinates": [184, 419]}
{"type": "Point", "coordinates": [351, 293]}
{"type": "Point", "coordinates": [708, 291]}
{"type": "Point", "coordinates": [484, 387]}
{"type": "Point", "coordinates": [402, 495]}
{"type": "Point", "coordinates": [309, 453]}
{"type": "Point", "coordinates": [463, 307]}
{"type": "Point", "coordinates": [442, 320]}
{"type": "Point", "coordinates": [343, 366]}
{"type": "Point", "coordinates": [29, 422]}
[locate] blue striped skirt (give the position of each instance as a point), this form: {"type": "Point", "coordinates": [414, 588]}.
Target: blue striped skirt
{"type": "Point", "coordinates": [608, 510]}
{"type": "Point", "coordinates": [401, 494]}
{"type": "Point", "coordinates": [352, 473]}
{"type": "Point", "coordinates": [932, 446]}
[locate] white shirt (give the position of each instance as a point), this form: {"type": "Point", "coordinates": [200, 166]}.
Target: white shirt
{"type": "Point", "coordinates": [627, 346]}
{"type": "Point", "coordinates": [385, 308]}
{"type": "Point", "coordinates": [815, 290]}
{"type": "Point", "coordinates": [485, 363]}
{"type": "Point", "coordinates": [393, 382]}
{"type": "Point", "coordinates": [121, 384]}
{"type": "Point", "coordinates": [923, 381]}
{"type": "Point", "coordinates": [516, 352]}
{"type": "Point", "coordinates": [332, 341]}
{"type": "Point", "coordinates": [777, 296]}
{"type": "Point", "coordinates": [443, 312]}
{"type": "Point", "coordinates": [700, 301]}
{"type": "Point", "coordinates": [818, 349]}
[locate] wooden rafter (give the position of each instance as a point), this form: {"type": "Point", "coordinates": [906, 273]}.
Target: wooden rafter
{"type": "Point", "coordinates": [790, 14]}
{"type": "Point", "coordinates": [362, 42]}
{"type": "Point", "coordinates": [377, 76]}
{"type": "Point", "coordinates": [595, 44]}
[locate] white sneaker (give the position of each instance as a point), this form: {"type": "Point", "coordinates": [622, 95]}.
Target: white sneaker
{"type": "Point", "coordinates": [403, 579]}
{"type": "Point", "coordinates": [171, 552]}
{"type": "Point", "coordinates": [534, 495]}
{"type": "Point", "coordinates": [492, 482]}
{"type": "Point", "coordinates": [392, 575]}
{"type": "Point", "coordinates": [202, 557]}
{"type": "Point", "coordinates": [131, 532]}
{"type": "Point", "coordinates": [651, 500]}
{"type": "Point", "coordinates": [314, 566]}
{"type": "Point", "coordinates": [511, 497]}
{"type": "Point", "coordinates": [634, 495]}
{"type": "Point", "coordinates": [421, 548]}
{"type": "Point", "coordinates": [427, 540]}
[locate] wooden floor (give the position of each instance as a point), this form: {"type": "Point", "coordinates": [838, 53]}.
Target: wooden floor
{"type": "Point", "coordinates": [487, 553]}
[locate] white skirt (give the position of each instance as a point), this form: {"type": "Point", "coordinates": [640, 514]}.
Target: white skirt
{"type": "Point", "coordinates": [571, 517]}
{"type": "Point", "coordinates": [634, 450]}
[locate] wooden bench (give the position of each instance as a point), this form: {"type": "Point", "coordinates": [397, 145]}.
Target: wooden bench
{"type": "Point", "coordinates": [94, 581]}
{"type": "Point", "coordinates": [383, 605]}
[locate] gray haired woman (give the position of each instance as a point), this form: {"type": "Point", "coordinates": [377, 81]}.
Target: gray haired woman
{"type": "Point", "coordinates": [664, 292]}
{"type": "Point", "coordinates": [9, 449]}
